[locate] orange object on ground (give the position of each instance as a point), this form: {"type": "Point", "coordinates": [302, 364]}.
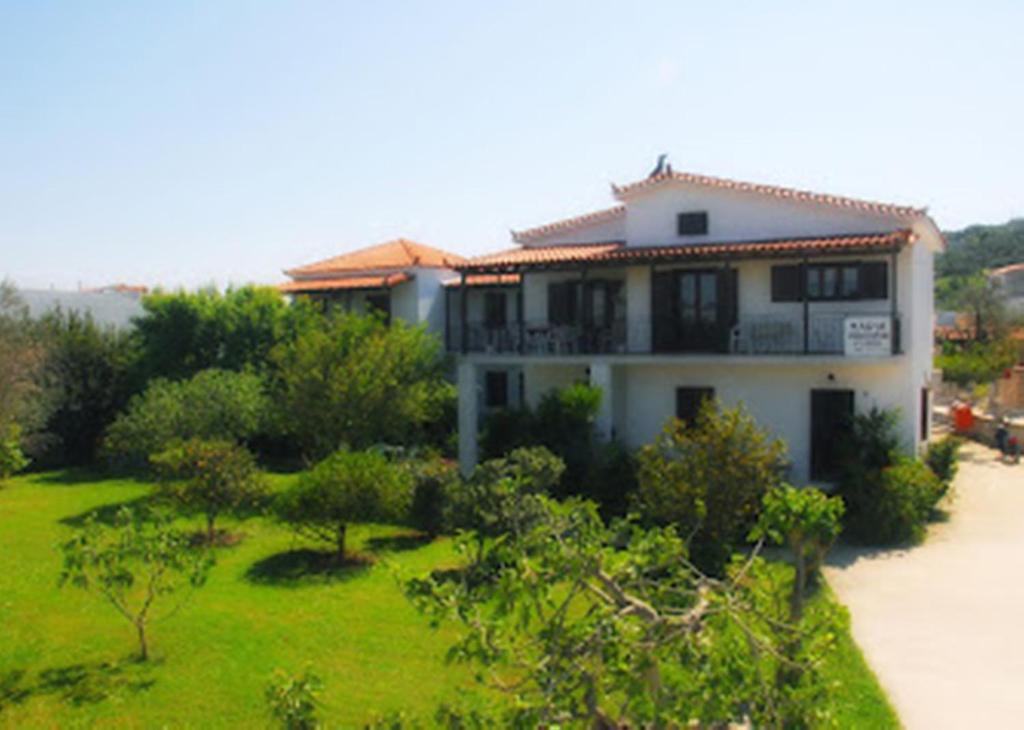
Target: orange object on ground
{"type": "Point", "coordinates": [963, 418]}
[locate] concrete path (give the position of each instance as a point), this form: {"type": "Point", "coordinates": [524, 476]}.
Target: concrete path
{"type": "Point", "coordinates": [942, 624]}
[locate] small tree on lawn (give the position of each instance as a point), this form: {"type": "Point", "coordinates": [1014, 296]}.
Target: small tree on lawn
{"type": "Point", "coordinates": [12, 460]}
{"type": "Point", "coordinates": [708, 479]}
{"type": "Point", "coordinates": [346, 487]}
{"type": "Point", "coordinates": [294, 700]}
{"type": "Point", "coordinates": [808, 523]}
{"type": "Point", "coordinates": [215, 477]}
{"type": "Point", "coordinates": [134, 565]}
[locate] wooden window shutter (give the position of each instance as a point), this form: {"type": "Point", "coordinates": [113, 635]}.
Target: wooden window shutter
{"type": "Point", "coordinates": [874, 280]}
{"type": "Point", "coordinates": [786, 284]}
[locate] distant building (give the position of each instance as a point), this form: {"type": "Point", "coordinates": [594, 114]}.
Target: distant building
{"type": "Point", "coordinates": [399, 278]}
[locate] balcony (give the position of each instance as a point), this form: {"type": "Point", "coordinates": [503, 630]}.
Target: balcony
{"type": "Point", "coordinates": [827, 333]}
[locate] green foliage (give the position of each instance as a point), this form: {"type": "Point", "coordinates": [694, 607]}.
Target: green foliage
{"type": "Point", "coordinates": [346, 487]}
{"type": "Point", "coordinates": [293, 701]}
{"type": "Point", "coordinates": [214, 404]}
{"type": "Point", "coordinates": [22, 353]}
{"type": "Point", "coordinates": [358, 382]}
{"type": "Point", "coordinates": [182, 333]}
{"type": "Point", "coordinates": [977, 248]}
{"type": "Point", "coordinates": [975, 362]}
{"type": "Point", "coordinates": [709, 479]}
{"type": "Point", "coordinates": [134, 564]}
{"type": "Point", "coordinates": [808, 523]}
{"type": "Point", "coordinates": [210, 477]}
{"type": "Point", "coordinates": [942, 458]}
{"type": "Point", "coordinates": [433, 480]}
{"type": "Point", "coordinates": [888, 497]}
{"type": "Point", "coordinates": [586, 626]}
{"type": "Point", "coordinates": [12, 459]}
{"type": "Point", "coordinates": [501, 496]}
{"type": "Point", "coordinates": [88, 376]}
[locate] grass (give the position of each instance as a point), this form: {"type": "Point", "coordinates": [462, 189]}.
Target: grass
{"type": "Point", "coordinates": [66, 659]}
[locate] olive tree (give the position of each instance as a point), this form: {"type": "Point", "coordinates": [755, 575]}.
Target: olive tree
{"type": "Point", "coordinates": [134, 565]}
{"type": "Point", "coordinates": [210, 477]}
{"type": "Point", "coordinates": [346, 487]}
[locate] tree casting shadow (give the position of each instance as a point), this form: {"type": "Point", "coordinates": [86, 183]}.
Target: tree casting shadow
{"type": "Point", "coordinates": [106, 513]}
{"type": "Point", "coordinates": [77, 684]}
{"type": "Point", "coordinates": [294, 567]}
{"type": "Point", "coordinates": [397, 543]}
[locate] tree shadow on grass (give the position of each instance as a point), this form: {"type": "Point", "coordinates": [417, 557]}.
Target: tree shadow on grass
{"type": "Point", "coordinates": [78, 684]}
{"type": "Point", "coordinates": [303, 566]}
{"type": "Point", "coordinates": [397, 543]}
{"type": "Point", "coordinates": [106, 513]}
{"type": "Point", "coordinates": [70, 477]}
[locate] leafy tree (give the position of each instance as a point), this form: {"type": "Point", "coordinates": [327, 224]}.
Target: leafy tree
{"type": "Point", "coordinates": [433, 480]}
{"type": "Point", "coordinates": [358, 382]}
{"type": "Point", "coordinates": [976, 362]}
{"type": "Point", "coordinates": [346, 487]}
{"type": "Point", "coordinates": [12, 459]}
{"type": "Point", "coordinates": [501, 496]}
{"type": "Point", "coordinates": [211, 477]}
{"type": "Point", "coordinates": [942, 458]}
{"type": "Point", "coordinates": [214, 404]}
{"type": "Point", "coordinates": [709, 479]}
{"type": "Point", "coordinates": [88, 378]}
{"type": "Point", "coordinates": [806, 521]}
{"type": "Point", "coordinates": [182, 333]}
{"type": "Point", "coordinates": [978, 247]}
{"type": "Point", "coordinates": [22, 353]}
{"type": "Point", "coordinates": [294, 700]}
{"type": "Point", "coordinates": [589, 626]}
{"type": "Point", "coordinates": [134, 565]}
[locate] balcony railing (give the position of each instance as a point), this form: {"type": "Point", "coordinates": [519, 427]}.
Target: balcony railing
{"type": "Point", "coordinates": [760, 334]}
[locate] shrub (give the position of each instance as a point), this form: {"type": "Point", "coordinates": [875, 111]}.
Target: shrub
{"type": "Point", "coordinates": [894, 504]}
{"type": "Point", "coordinates": [346, 487]}
{"type": "Point", "coordinates": [709, 479]}
{"type": "Point", "coordinates": [808, 523]}
{"type": "Point", "coordinates": [294, 701]}
{"type": "Point", "coordinates": [214, 404]}
{"type": "Point", "coordinates": [135, 565]}
{"type": "Point", "coordinates": [12, 460]}
{"type": "Point", "coordinates": [942, 458]}
{"type": "Point", "coordinates": [218, 476]}
{"type": "Point", "coordinates": [432, 480]}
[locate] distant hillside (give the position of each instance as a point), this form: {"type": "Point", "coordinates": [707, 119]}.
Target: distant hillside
{"type": "Point", "coordinates": [106, 308]}
{"type": "Point", "coordinates": [981, 247]}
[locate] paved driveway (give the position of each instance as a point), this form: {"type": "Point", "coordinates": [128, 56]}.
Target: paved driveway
{"type": "Point", "coordinates": [942, 624]}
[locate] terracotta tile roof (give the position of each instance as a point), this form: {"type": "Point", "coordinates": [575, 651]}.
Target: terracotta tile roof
{"type": "Point", "coordinates": [867, 206]}
{"type": "Point", "coordinates": [1007, 269]}
{"type": "Point", "coordinates": [350, 282]}
{"type": "Point", "coordinates": [398, 254]}
{"type": "Point", "coordinates": [486, 280]}
{"type": "Point", "coordinates": [612, 253]}
{"type": "Point", "coordinates": [568, 224]}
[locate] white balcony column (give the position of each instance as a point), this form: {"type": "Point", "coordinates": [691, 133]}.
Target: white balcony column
{"type": "Point", "coordinates": [466, 380]}
{"type": "Point", "coordinates": [638, 309]}
{"type": "Point", "coordinates": [601, 377]}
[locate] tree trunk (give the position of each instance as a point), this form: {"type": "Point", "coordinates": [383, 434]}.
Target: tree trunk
{"type": "Point", "coordinates": [796, 609]}
{"type": "Point", "coordinates": [341, 542]}
{"type": "Point", "coordinates": [211, 532]}
{"type": "Point", "coordinates": [140, 628]}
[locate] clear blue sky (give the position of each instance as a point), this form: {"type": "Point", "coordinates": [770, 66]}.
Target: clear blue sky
{"type": "Point", "coordinates": [192, 142]}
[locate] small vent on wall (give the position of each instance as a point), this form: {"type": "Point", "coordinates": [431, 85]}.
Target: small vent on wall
{"type": "Point", "coordinates": [692, 224]}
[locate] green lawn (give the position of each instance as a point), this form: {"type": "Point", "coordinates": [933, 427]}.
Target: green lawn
{"type": "Point", "coordinates": [65, 657]}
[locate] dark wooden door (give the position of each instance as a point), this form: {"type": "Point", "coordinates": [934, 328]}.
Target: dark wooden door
{"type": "Point", "coordinates": [831, 417]}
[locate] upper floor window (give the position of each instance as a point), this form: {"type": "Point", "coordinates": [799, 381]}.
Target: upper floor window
{"type": "Point", "coordinates": [831, 282]}
{"type": "Point", "coordinates": [495, 309]}
{"type": "Point", "coordinates": [496, 389]}
{"type": "Point", "coordinates": [692, 224]}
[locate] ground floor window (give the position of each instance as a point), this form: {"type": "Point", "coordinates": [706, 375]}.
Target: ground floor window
{"type": "Point", "coordinates": [925, 411]}
{"type": "Point", "coordinates": [496, 389]}
{"type": "Point", "coordinates": [689, 401]}
{"type": "Point", "coordinates": [831, 421]}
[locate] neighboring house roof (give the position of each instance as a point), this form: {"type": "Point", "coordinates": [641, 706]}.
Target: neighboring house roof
{"type": "Point", "coordinates": [400, 253]}
{"type": "Point", "coordinates": [1011, 269]}
{"type": "Point", "coordinates": [568, 224]}
{"type": "Point", "coordinates": [901, 211]}
{"type": "Point", "coordinates": [486, 280]}
{"type": "Point", "coordinates": [349, 282]}
{"type": "Point", "coordinates": [617, 252]}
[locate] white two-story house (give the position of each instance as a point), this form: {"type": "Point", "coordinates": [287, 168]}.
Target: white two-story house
{"type": "Point", "coordinates": [804, 307]}
{"type": "Point", "coordinates": [399, 278]}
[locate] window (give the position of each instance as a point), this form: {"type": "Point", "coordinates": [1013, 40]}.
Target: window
{"type": "Point", "coordinates": [831, 282]}
{"type": "Point", "coordinates": [692, 224]}
{"type": "Point", "coordinates": [495, 309]}
{"type": "Point", "coordinates": [495, 389]}
{"type": "Point", "coordinates": [380, 303]}
{"type": "Point", "coordinates": [689, 401]}
{"type": "Point", "coordinates": [563, 302]}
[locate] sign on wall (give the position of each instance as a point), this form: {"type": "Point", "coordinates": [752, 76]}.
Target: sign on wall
{"type": "Point", "coordinates": [867, 336]}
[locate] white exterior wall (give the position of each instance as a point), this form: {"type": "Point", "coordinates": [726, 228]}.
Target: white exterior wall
{"type": "Point", "coordinates": [405, 302]}
{"type": "Point", "coordinates": [737, 216]}
{"type": "Point", "coordinates": [430, 304]}
{"type": "Point", "coordinates": [610, 230]}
